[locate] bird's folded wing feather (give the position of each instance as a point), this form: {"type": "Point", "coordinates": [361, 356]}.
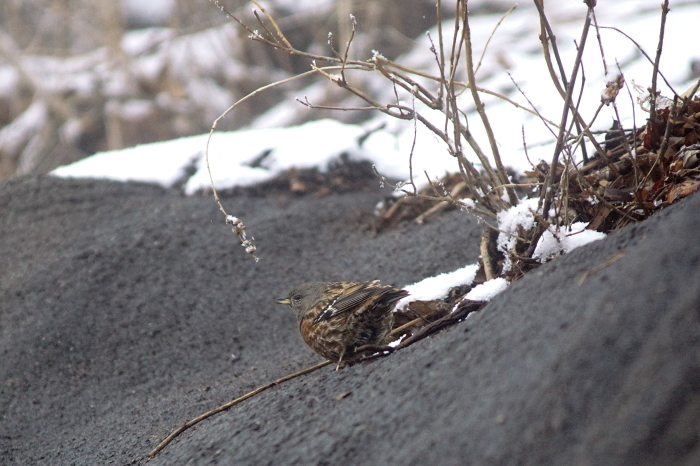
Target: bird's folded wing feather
{"type": "Point", "coordinates": [350, 298]}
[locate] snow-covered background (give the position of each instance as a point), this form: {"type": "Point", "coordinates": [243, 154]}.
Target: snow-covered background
{"type": "Point", "coordinates": [513, 55]}
{"type": "Point", "coordinates": [275, 141]}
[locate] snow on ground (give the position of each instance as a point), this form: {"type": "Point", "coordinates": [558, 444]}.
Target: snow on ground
{"type": "Point", "coordinates": [564, 240]}
{"type": "Point", "coordinates": [260, 153]}
{"type": "Point", "coordinates": [437, 287]}
{"type": "Point", "coordinates": [162, 163]}
{"type": "Point", "coordinates": [247, 157]}
{"type": "Point", "coordinates": [487, 290]}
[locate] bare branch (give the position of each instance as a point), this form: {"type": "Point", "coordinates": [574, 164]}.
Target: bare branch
{"type": "Point", "coordinates": [659, 48]}
{"type": "Point", "coordinates": [480, 109]}
{"type": "Point", "coordinates": [493, 31]}
{"type": "Point", "coordinates": [547, 191]}
{"type": "Point", "coordinates": [641, 50]}
{"type": "Point", "coordinates": [230, 404]}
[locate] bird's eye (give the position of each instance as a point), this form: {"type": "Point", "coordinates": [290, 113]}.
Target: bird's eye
{"type": "Point", "coordinates": [296, 297]}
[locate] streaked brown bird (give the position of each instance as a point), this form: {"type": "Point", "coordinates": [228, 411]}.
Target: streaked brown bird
{"type": "Point", "coordinates": [337, 318]}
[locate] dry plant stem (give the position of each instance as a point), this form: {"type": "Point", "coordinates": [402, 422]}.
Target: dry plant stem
{"type": "Point", "coordinates": [441, 57]}
{"type": "Point", "coordinates": [236, 228]}
{"type": "Point", "coordinates": [587, 130]}
{"type": "Point", "coordinates": [399, 330]}
{"type": "Point", "coordinates": [539, 115]}
{"type": "Point", "coordinates": [278, 39]}
{"type": "Point", "coordinates": [494, 179]}
{"type": "Point", "coordinates": [263, 25]}
{"type": "Point", "coordinates": [502, 176]}
{"type": "Point", "coordinates": [347, 46]}
{"type": "Point", "coordinates": [625, 142]}
{"type": "Point", "coordinates": [456, 191]}
{"type": "Point", "coordinates": [563, 196]}
{"type": "Point", "coordinates": [610, 260]}
{"type": "Point", "coordinates": [407, 84]}
{"type": "Point", "coordinates": [274, 24]}
{"type": "Point", "coordinates": [438, 62]}
{"type": "Point", "coordinates": [442, 80]}
{"type": "Point", "coordinates": [452, 115]}
{"type": "Point", "coordinates": [231, 403]}
{"type": "Point", "coordinates": [578, 119]}
{"type": "Point", "coordinates": [527, 155]}
{"type": "Point", "coordinates": [547, 36]}
{"type": "Point", "coordinates": [306, 103]}
{"type": "Point", "coordinates": [465, 308]}
{"type": "Point", "coordinates": [641, 50]}
{"type": "Point", "coordinates": [659, 48]}
{"type": "Point", "coordinates": [283, 44]}
{"type": "Point", "coordinates": [667, 133]}
{"type": "Point", "coordinates": [493, 31]}
{"type": "Point", "coordinates": [471, 210]}
{"type": "Point", "coordinates": [413, 146]}
{"type": "Point", "coordinates": [551, 179]}
{"type": "Point", "coordinates": [600, 43]}
{"type": "Point", "coordinates": [634, 133]}
{"type": "Point", "coordinates": [487, 239]}
{"type": "Point", "coordinates": [399, 76]}
{"type": "Point", "coordinates": [431, 101]}
{"type": "Point", "coordinates": [406, 113]}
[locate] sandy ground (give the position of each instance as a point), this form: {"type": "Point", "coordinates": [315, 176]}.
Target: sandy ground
{"type": "Point", "coordinates": [126, 309]}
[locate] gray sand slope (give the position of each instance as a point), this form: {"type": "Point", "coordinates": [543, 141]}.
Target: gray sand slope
{"type": "Point", "coordinates": [126, 309]}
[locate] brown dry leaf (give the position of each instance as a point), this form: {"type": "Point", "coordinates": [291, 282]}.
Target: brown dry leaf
{"type": "Point", "coordinates": [644, 194]}
{"type": "Point", "coordinates": [599, 218]}
{"type": "Point", "coordinates": [682, 190]}
{"type": "Point", "coordinates": [657, 185]}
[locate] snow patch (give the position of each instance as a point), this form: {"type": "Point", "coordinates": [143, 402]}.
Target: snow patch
{"type": "Point", "coordinates": [556, 241]}
{"type": "Point", "coordinates": [437, 287]}
{"type": "Point", "coordinates": [487, 290]}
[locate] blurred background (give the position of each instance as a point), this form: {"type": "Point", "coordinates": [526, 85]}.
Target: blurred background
{"type": "Point", "coordinates": [82, 76]}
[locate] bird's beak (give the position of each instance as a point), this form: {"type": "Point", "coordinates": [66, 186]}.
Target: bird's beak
{"type": "Point", "coordinates": [283, 301]}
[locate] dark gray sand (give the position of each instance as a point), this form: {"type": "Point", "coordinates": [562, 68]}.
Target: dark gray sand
{"type": "Point", "coordinates": [126, 309]}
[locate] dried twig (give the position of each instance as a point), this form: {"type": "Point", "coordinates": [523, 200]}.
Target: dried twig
{"type": "Point", "coordinates": [643, 52]}
{"type": "Point", "coordinates": [464, 308]}
{"type": "Point", "coordinates": [547, 192]}
{"type": "Point", "coordinates": [493, 32]}
{"type": "Point", "coordinates": [657, 60]}
{"type": "Point", "coordinates": [231, 403]}
{"type": "Point", "coordinates": [503, 177]}
{"type": "Point", "coordinates": [236, 224]}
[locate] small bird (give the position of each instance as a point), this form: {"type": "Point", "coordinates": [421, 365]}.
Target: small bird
{"type": "Point", "coordinates": [337, 318]}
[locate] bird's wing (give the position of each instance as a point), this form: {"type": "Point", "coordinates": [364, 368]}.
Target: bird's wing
{"type": "Point", "coordinates": [350, 298]}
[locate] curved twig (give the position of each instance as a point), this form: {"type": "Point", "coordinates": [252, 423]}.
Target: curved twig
{"type": "Point", "coordinates": [231, 403]}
